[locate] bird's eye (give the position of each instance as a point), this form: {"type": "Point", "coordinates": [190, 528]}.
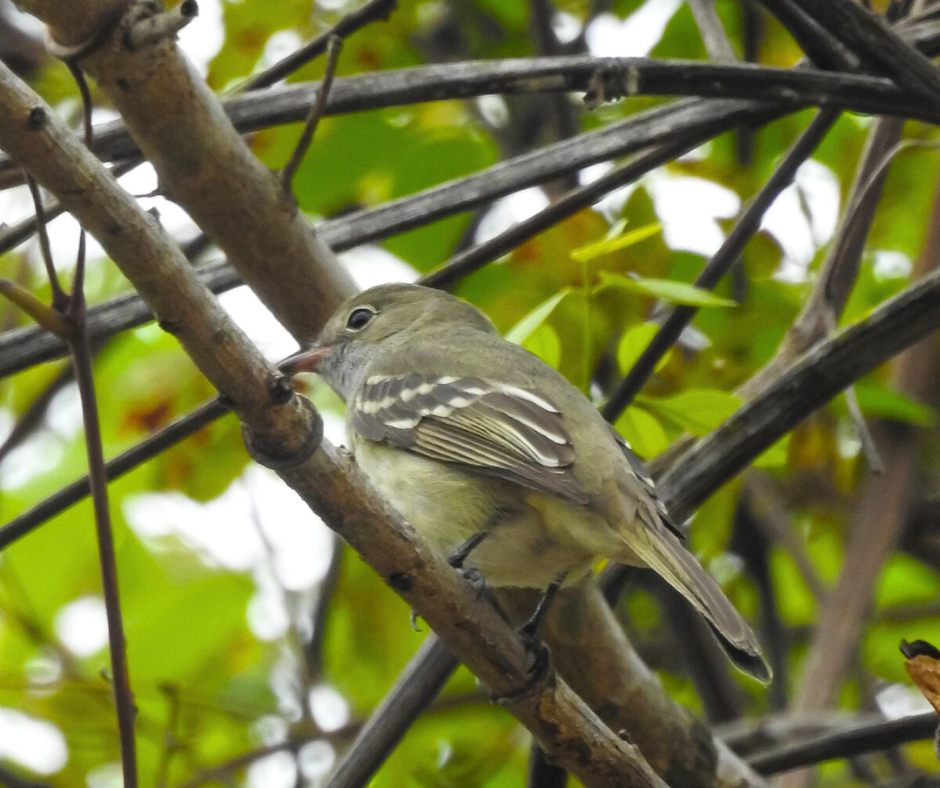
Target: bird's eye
{"type": "Point", "coordinates": [359, 317]}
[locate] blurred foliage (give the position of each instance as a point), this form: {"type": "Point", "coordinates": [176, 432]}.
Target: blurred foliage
{"type": "Point", "coordinates": [218, 668]}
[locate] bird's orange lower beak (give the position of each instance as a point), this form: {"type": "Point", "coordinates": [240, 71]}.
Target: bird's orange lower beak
{"type": "Point", "coordinates": [303, 361]}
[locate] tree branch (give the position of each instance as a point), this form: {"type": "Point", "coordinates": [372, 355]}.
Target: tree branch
{"type": "Point", "coordinates": [871, 737]}
{"type": "Point", "coordinates": [790, 88]}
{"type": "Point", "coordinates": [203, 160]}
{"type": "Point", "coordinates": [744, 229]}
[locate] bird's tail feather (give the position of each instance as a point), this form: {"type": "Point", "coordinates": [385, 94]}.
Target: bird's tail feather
{"type": "Point", "coordinates": [666, 555]}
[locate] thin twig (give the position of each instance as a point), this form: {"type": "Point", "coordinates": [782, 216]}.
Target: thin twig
{"type": "Point", "coordinates": [418, 685]}
{"type": "Point", "coordinates": [132, 458]}
{"type": "Point", "coordinates": [872, 737]}
{"type": "Point", "coordinates": [313, 651]}
{"type": "Point", "coordinates": [59, 298]}
{"type": "Point", "coordinates": [541, 773]}
{"type": "Point", "coordinates": [723, 259]}
{"type": "Point", "coordinates": [716, 40]}
{"type": "Point", "coordinates": [474, 258]}
{"type": "Point", "coordinates": [869, 446]}
{"type": "Point", "coordinates": [98, 481]}
{"type": "Point", "coordinates": [72, 309]}
{"type": "Point", "coordinates": [872, 40]}
{"type": "Point", "coordinates": [793, 88]}
{"type": "Point", "coordinates": [367, 13]}
{"type": "Point", "coordinates": [821, 47]}
{"type": "Point", "coordinates": [334, 47]}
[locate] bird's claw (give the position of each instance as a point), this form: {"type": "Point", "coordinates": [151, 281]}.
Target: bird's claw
{"type": "Point", "coordinates": [476, 580]}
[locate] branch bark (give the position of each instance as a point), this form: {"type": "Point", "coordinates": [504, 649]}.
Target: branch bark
{"type": "Point", "coordinates": [203, 161]}
{"type": "Point", "coordinates": [791, 88]}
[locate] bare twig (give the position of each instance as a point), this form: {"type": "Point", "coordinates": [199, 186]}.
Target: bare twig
{"type": "Point", "coordinates": [713, 32]}
{"type": "Point", "coordinates": [72, 309]}
{"type": "Point", "coordinates": [313, 651]}
{"type": "Point", "coordinates": [871, 737]}
{"type": "Point", "coordinates": [820, 46]}
{"type": "Point", "coordinates": [59, 298]}
{"type": "Point", "coordinates": [368, 12]}
{"type": "Point", "coordinates": [419, 683]}
{"type": "Point", "coordinates": [474, 258]}
{"type": "Point", "coordinates": [723, 259]}
{"type": "Point", "coordinates": [872, 40]}
{"type": "Point", "coordinates": [132, 458]}
{"type": "Point", "coordinates": [334, 47]}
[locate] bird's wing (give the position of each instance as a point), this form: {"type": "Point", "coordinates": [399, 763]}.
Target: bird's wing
{"type": "Point", "coordinates": [492, 428]}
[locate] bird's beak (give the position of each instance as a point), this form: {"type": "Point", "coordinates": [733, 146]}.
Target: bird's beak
{"type": "Point", "coordinates": [306, 360]}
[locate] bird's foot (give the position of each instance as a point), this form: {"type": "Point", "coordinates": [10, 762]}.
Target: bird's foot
{"type": "Point", "coordinates": [476, 580]}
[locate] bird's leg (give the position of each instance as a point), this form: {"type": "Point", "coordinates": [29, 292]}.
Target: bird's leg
{"type": "Point", "coordinates": [456, 559]}
{"type": "Point", "coordinates": [530, 629]}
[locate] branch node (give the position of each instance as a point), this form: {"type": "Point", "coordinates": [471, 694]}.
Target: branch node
{"type": "Point", "coordinates": [282, 461]}
{"type": "Point", "coordinates": [540, 677]}
{"type": "Point", "coordinates": [281, 389]}
{"type": "Point", "coordinates": [36, 119]}
{"type": "Point", "coordinates": [74, 52]}
{"type": "Point", "coordinates": [152, 29]}
{"type": "Point", "coordinates": [614, 80]}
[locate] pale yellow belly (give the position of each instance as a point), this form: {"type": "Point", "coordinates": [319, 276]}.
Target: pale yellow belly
{"type": "Point", "coordinates": [537, 537]}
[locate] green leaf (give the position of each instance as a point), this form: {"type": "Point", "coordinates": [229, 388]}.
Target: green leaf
{"type": "Point", "coordinates": [876, 400]}
{"type": "Point", "coordinates": [642, 431]}
{"type": "Point", "coordinates": [544, 343]}
{"type": "Point", "coordinates": [632, 344]}
{"type": "Point", "coordinates": [665, 290]}
{"type": "Point", "coordinates": [776, 456]}
{"type": "Point", "coordinates": [698, 411]}
{"type": "Point", "coordinates": [617, 242]}
{"type": "Point", "coordinates": [525, 327]}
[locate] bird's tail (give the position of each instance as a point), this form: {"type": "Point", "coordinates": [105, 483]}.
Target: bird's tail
{"type": "Point", "coordinates": [665, 554]}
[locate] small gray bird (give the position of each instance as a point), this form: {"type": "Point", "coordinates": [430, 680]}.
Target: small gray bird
{"type": "Point", "coordinates": [497, 460]}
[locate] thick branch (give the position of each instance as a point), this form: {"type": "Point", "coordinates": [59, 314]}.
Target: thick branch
{"type": "Point", "coordinates": [816, 377]}
{"type": "Point", "coordinates": [205, 165]}
{"type": "Point", "coordinates": [789, 87]}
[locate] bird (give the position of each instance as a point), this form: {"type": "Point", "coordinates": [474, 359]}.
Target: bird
{"type": "Point", "coordinates": [495, 458]}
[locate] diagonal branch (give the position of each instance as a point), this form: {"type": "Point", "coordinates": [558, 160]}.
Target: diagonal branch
{"type": "Point", "coordinates": [854, 740]}
{"type": "Point", "coordinates": [745, 229]}
{"type": "Point", "coordinates": [203, 160]}
{"type": "Point", "coordinates": [873, 41]}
